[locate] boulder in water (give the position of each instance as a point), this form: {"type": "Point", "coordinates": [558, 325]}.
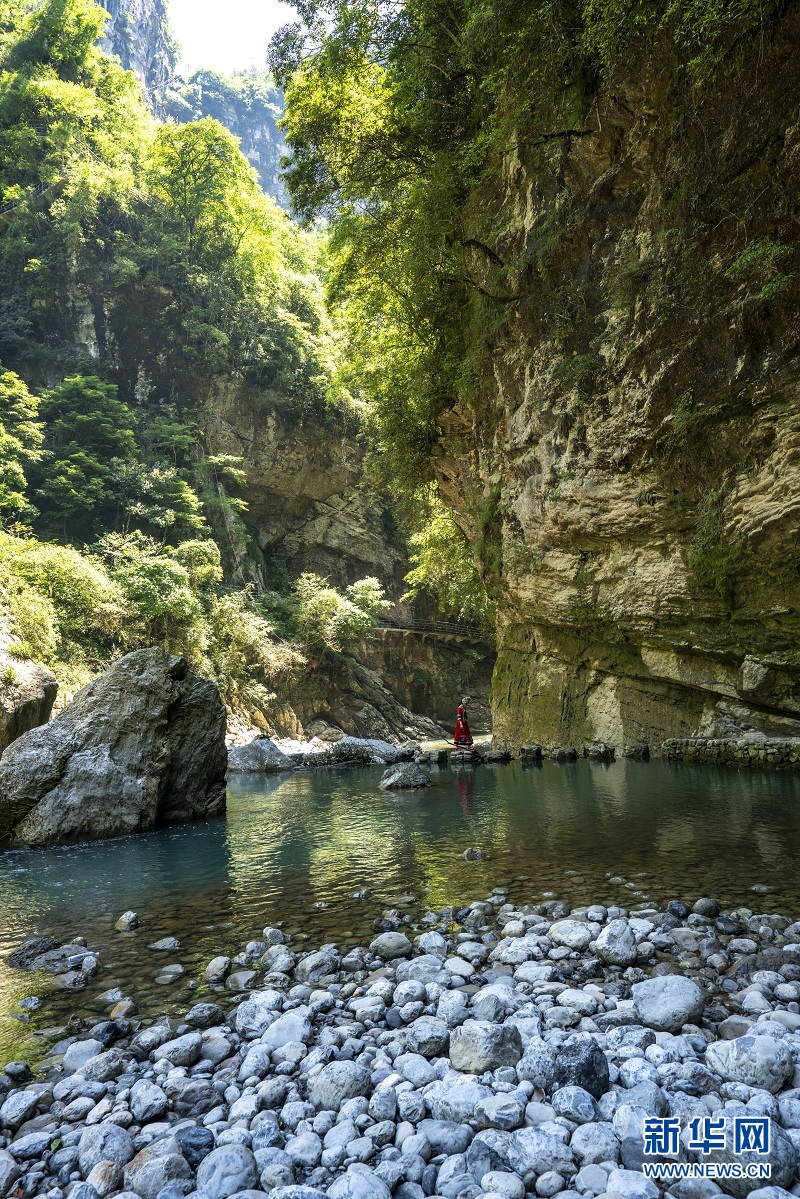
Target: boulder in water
{"type": "Point", "coordinates": [260, 756]}
{"type": "Point", "coordinates": [404, 776]}
{"type": "Point", "coordinates": [141, 746]}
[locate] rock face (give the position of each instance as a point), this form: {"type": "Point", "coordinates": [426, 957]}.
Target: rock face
{"type": "Point", "coordinates": [137, 32]}
{"type": "Point", "coordinates": [636, 438]}
{"type": "Point", "coordinates": [429, 673]}
{"type": "Point", "coordinates": [27, 693]}
{"type": "Point", "coordinates": [140, 746]}
{"type": "Point", "coordinates": [306, 511]}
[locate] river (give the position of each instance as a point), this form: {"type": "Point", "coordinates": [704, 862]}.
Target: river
{"type": "Point", "coordinates": [301, 850]}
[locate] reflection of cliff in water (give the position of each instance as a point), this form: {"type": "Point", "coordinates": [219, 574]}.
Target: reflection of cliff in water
{"type": "Point", "coordinates": [301, 850]}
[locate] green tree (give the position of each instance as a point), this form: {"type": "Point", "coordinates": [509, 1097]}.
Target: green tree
{"type": "Point", "coordinates": [443, 567]}
{"type": "Point", "coordinates": [87, 429]}
{"type": "Point", "coordinates": [155, 498]}
{"type": "Point", "coordinates": [20, 446]}
{"type": "Point", "coordinates": [163, 606]}
{"type": "Point", "coordinates": [326, 618]}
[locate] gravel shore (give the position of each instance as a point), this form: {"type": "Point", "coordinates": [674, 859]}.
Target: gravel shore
{"type": "Point", "coordinates": [502, 1052]}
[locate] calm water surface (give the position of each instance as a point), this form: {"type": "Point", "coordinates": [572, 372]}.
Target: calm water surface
{"type": "Point", "coordinates": [296, 849]}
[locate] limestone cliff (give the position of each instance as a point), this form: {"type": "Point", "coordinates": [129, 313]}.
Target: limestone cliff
{"type": "Point", "coordinates": [429, 674]}
{"type": "Point", "coordinates": [629, 471]}
{"type": "Point", "coordinates": [307, 509]}
{"type": "Point", "coordinates": [138, 33]}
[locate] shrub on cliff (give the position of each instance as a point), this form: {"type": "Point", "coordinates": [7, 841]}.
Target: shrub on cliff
{"type": "Point", "coordinates": [327, 618]}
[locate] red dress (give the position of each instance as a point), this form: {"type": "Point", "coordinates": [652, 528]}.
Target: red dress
{"type": "Point", "coordinates": [462, 737]}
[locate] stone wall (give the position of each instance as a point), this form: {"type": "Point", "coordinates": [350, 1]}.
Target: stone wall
{"type": "Point", "coordinates": [727, 752]}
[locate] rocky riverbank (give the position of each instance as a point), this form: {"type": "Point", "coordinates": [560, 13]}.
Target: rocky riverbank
{"type": "Point", "coordinates": [503, 1051]}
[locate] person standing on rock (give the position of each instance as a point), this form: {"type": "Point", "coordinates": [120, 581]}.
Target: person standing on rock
{"type": "Point", "coordinates": [462, 737]}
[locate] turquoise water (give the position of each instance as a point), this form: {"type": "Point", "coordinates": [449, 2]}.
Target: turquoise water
{"type": "Point", "coordinates": [296, 849]}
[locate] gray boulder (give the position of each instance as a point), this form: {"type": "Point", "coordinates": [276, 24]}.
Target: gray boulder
{"type": "Point", "coordinates": [781, 1158]}
{"type": "Point", "coordinates": [147, 1102]}
{"type": "Point", "coordinates": [9, 1172]}
{"type": "Point", "coordinates": [755, 1061]}
{"type": "Point", "coordinates": [260, 756]}
{"type": "Point", "coordinates": [404, 776]}
{"type": "Point", "coordinates": [227, 1170]}
{"type": "Point", "coordinates": [104, 1143]}
{"type": "Point", "coordinates": [27, 693]}
{"type": "Point", "coordinates": [155, 1167]}
{"type": "Point", "coordinates": [141, 746]}
{"type": "Point", "coordinates": [616, 944]}
{"type": "Point", "coordinates": [336, 1082]}
{"type": "Point", "coordinates": [477, 1046]}
{"type": "Point", "coordinates": [667, 1002]}
{"type": "Point", "coordinates": [391, 945]}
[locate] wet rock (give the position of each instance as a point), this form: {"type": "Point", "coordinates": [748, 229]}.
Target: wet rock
{"type": "Point", "coordinates": [404, 776]}
{"type": "Point", "coordinates": [142, 745]}
{"type": "Point", "coordinates": [25, 957]}
{"type": "Point", "coordinates": [261, 756]}
{"type": "Point", "coordinates": [217, 969]}
{"type": "Point", "coordinates": [127, 922]}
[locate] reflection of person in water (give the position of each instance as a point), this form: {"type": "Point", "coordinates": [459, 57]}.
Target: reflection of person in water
{"type": "Point", "coordinates": [465, 780]}
{"type": "Point", "coordinates": [462, 737]}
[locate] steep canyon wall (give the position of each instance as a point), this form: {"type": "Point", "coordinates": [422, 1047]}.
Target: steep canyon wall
{"type": "Point", "coordinates": [628, 469]}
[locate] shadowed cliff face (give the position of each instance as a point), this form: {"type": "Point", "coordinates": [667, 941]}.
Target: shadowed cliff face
{"type": "Point", "coordinates": [630, 470]}
{"type": "Point", "coordinates": [306, 507]}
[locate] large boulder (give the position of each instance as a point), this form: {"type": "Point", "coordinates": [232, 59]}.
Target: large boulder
{"type": "Point", "coordinates": [667, 1002]}
{"type": "Point", "coordinates": [260, 756]}
{"type": "Point", "coordinates": [27, 693]}
{"type": "Point", "coordinates": [142, 745]}
{"type": "Point", "coordinates": [404, 776]}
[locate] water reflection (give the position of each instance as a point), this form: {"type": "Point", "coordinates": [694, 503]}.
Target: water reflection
{"type": "Point", "coordinates": [297, 849]}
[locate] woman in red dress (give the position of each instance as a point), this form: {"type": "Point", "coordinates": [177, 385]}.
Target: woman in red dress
{"type": "Point", "coordinates": [462, 737]}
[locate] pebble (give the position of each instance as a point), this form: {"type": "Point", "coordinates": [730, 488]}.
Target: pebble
{"type": "Point", "coordinates": [504, 1052]}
